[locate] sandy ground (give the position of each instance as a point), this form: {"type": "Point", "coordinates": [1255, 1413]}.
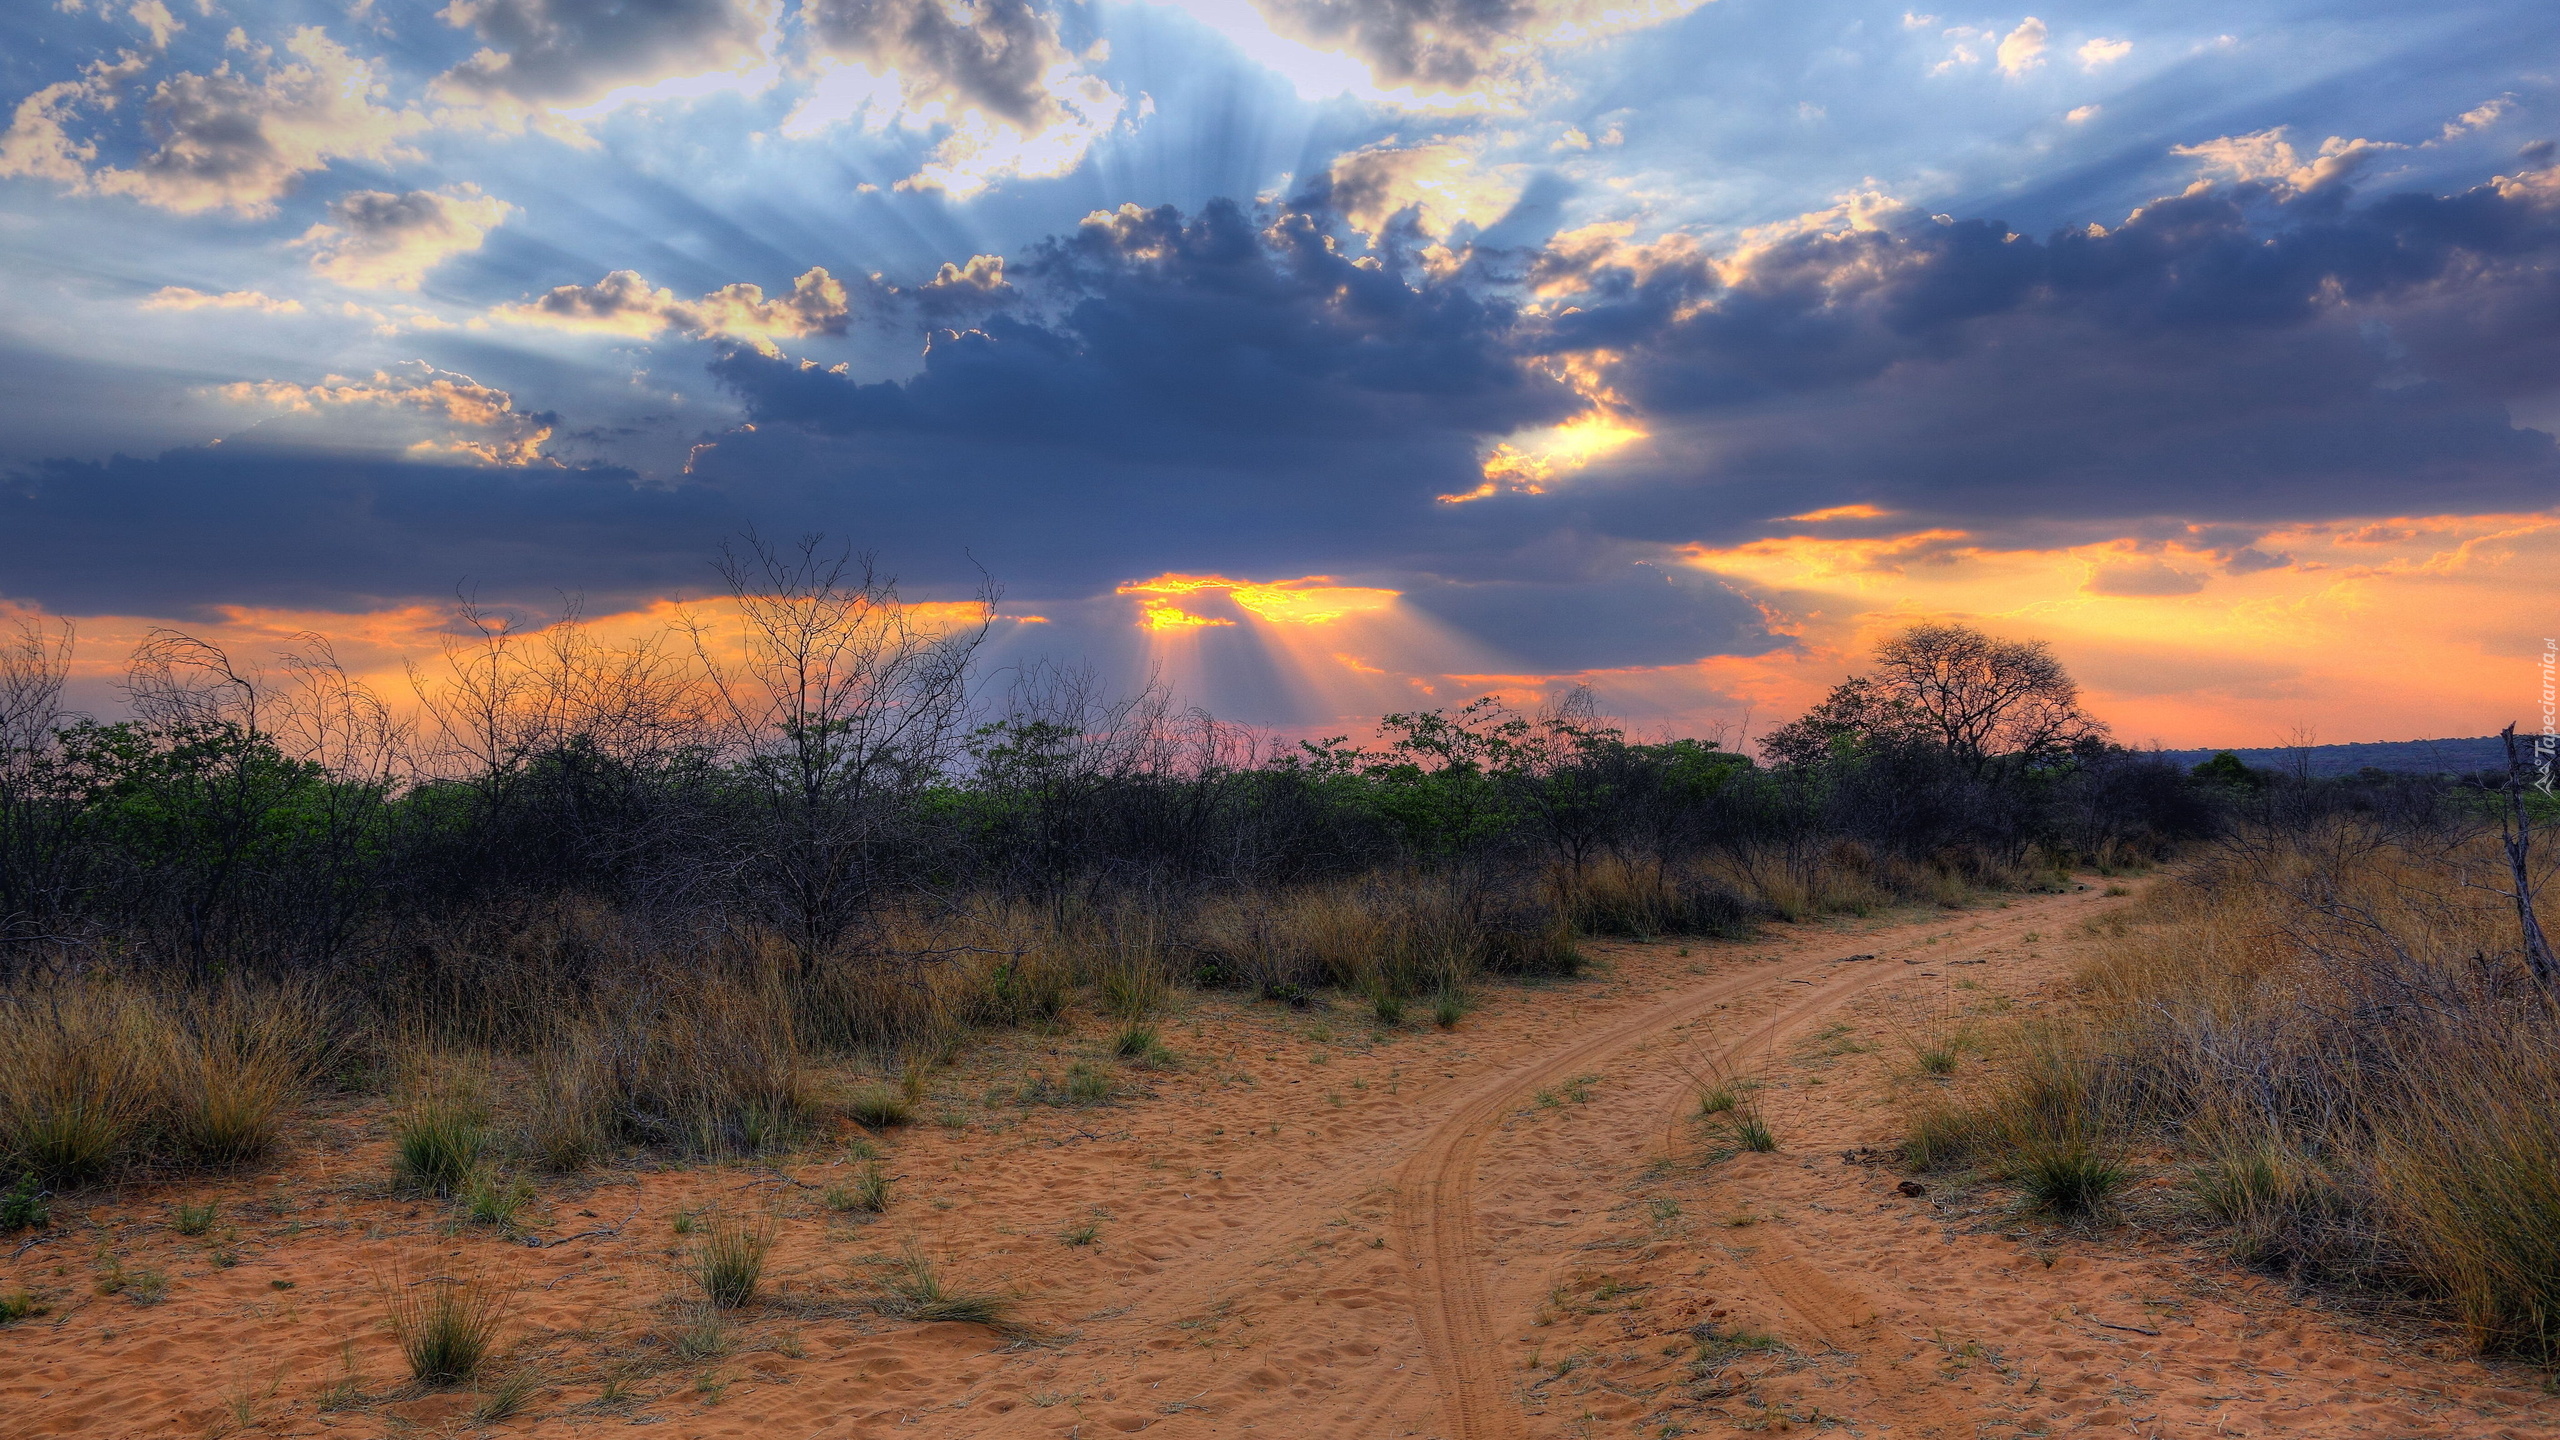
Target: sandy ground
{"type": "Point", "coordinates": [1311, 1226]}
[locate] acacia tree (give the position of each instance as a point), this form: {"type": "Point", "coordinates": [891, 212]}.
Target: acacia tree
{"type": "Point", "coordinates": [1994, 705]}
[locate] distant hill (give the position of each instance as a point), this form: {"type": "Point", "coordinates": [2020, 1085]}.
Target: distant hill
{"type": "Point", "coordinates": [2419, 757]}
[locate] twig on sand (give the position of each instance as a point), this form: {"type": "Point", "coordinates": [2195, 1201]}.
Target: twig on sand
{"type": "Point", "coordinates": [536, 1242]}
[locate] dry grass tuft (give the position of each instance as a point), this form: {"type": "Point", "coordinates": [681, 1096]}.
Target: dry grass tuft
{"type": "Point", "coordinates": [447, 1325]}
{"type": "Point", "coordinates": [438, 1148]}
{"type": "Point", "coordinates": [729, 1262]}
{"type": "Point", "coordinates": [912, 1288]}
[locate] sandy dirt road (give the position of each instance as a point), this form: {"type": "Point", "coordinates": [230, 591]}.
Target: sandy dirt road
{"type": "Point", "coordinates": [1312, 1227]}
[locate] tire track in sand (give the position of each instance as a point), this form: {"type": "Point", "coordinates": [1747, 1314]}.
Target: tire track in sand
{"type": "Point", "coordinates": [1435, 1205]}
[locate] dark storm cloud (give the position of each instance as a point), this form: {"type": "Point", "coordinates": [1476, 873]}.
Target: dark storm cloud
{"type": "Point", "coordinates": [2246, 351]}
{"type": "Point", "coordinates": [1639, 615]}
{"type": "Point", "coordinates": [235, 525]}
{"type": "Point", "coordinates": [1201, 392]}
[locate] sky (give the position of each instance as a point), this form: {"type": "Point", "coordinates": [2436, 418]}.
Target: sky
{"type": "Point", "coordinates": [1317, 358]}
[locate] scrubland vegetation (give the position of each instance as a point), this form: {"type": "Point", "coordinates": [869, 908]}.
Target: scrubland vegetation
{"type": "Point", "coordinates": [677, 893]}
{"type": "Point", "coordinates": [2327, 1046]}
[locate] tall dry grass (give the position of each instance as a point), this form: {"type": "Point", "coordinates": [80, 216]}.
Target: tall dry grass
{"type": "Point", "coordinates": [2332, 1035]}
{"type": "Point", "coordinates": [1643, 897]}
{"type": "Point", "coordinates": [555, 1034]}
{"type": "Point", "coordinates": [1396, 934]}
{"type": "Point", "coordinates": [100, 1075]}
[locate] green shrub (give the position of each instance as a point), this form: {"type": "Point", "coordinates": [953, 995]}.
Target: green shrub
{"type": "Point", "coordinates": [1087, 1085]}
{"type": "Point", "coordinates": [1449, 1007]}
{"type": "Point", "coordinates": [1751, 1131]}
{"type": "Point", "coordinates": [488, 1199]}
{"type": "Point", "coordinates": [24, 1206]}
{"type": "Point", "coordinates": [19, 1305]}
{"type": "Point", "coordinates": [1386, 1005]}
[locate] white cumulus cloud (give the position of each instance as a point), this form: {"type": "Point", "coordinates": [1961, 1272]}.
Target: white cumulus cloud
{"type": "Point", "coordinates": [375, 240]}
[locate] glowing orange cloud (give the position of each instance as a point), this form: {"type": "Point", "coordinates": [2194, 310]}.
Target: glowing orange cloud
{"type": "Point", "coordinates": [1165, 615]}
{"type": "Point", "coordinates": [1529, 460]}
{"type": "Point", "coordinates": [1310, 600]}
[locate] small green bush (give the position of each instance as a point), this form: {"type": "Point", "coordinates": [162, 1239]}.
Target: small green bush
{"type": "Point", "coordinates": [869, 1192]}
{"type": "Point", "coordinates": [488, 1199]}
{"type": "Point", "coordinates": [1751, 1131]}
{"type": "Point", "coordinates": [1449, 1007]}
{"type": "Point", "coordinates": [20, 1305]}
{"type": "Point", "coordinates": [1087, 1085]}
{"type": "Point", "coordinates": [24, 1206]}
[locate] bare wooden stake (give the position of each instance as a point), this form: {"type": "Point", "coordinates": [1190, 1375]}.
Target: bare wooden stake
{"type": "Point", "coordinates": [2519, 842]}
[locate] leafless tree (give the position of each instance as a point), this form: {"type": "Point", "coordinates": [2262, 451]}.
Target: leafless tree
{"type": "Point", "coordinates": [509, 692]}
{"type": "Point", "coordinates": [35, 663]}
{"type": "Point", "coordinates": [175, 681]}
{"type": "Point", "coordinates": [40, 839]}
{"type": "Point", "coordinates": [483, 708]}
{"type": "Point", "coordinates": [844, 702]}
